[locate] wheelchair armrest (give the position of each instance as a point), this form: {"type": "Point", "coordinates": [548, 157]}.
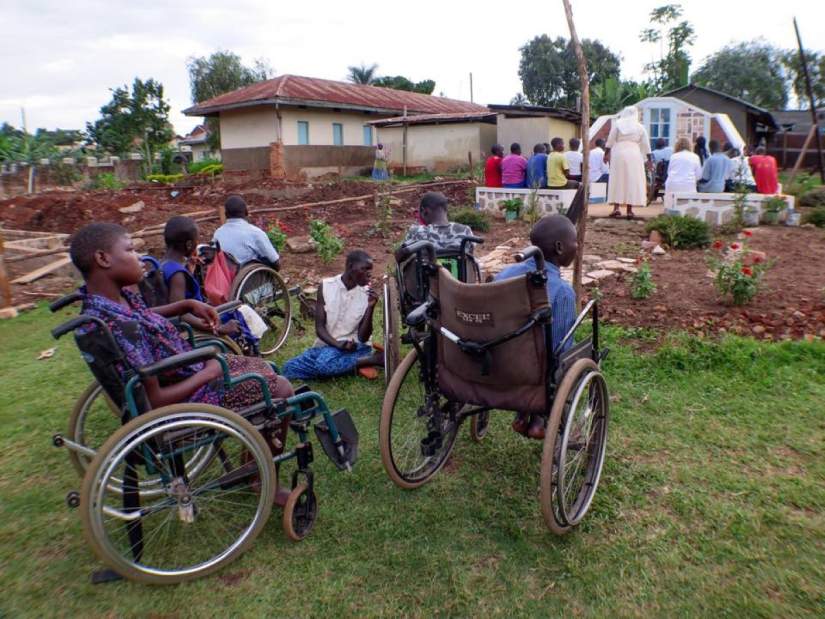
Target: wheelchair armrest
{"type": "Point", "coordinates": [418, 316]}
{"type": "Point", "coordinates": [175, 361]}
{"type": "Point", "coordinates": [62, 302]}
{"type": "Point", "coordinates": [228, 307]}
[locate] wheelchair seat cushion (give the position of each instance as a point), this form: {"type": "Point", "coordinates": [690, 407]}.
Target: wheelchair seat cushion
{"type": "Point", "coordinates": [517, 378]}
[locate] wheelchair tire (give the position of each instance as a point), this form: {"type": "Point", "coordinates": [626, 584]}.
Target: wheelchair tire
{"type": "Point", "coordinates": [403, 475]}
{"type": "Point", "coordinates": [90, 403]}
{"type": "Point", "coordinates": [479, 425]}
{"type": "Point", "coordinates": [300, 512]}
{"type": "Point", "coordinates": [264, 290]}
{"type": "Point", "coordinates": [561, 513]}
{"type": "Point", "coordinates": [392, 328]}
{"type": "Point", "coordinates": [235, 500]}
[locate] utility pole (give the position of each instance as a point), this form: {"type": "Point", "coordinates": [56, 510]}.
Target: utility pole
{"type": "Point", "coordinates": [814, 121]}
{"type": "Point", "coordinates": [471, 88]}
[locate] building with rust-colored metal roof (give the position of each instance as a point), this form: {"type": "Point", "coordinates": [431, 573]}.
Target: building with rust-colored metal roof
{"type": "Point", "coordinates": [294, 126]}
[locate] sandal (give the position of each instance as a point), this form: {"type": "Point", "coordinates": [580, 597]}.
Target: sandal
{"type": "Point", "coordinates": [615, 214]}
{"type": "Point", "coordinates": [370, 373]}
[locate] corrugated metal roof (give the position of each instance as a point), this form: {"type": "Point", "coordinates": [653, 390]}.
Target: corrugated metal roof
{"type": "Point", "coordinates": [538, 110]}
{"type": "Point", "coordinates": [314, 92]}
{"type": "Point", "coordinates": [423, 119]}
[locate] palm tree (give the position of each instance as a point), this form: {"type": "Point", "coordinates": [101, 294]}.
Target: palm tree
{"type": "Point", "coordinates": [519, 99]}
{"type": "Point", "coordinates": [363, 74]}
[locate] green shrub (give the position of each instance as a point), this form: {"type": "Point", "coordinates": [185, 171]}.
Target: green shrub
{"type": "Point", "coordinates": [814, 197]}
{"type": "Point", "coordinates": [106, 180]}
{"type": "Point", "coordinates": [680, 232]}
{"type": "Point", "coordinates": [642, 284]}
{"type": "Point", "coordinates": [196, 167]}
{"type": "Point", "coordinates": [478, 220]}
{"type": "Point", "coordinates": [166, 179]}
{"type": "Point", "coordinates": [277, 235]}
{"type": "Point", "coordinates": [802, 184]}
{"type": "Point", "coordinates": [327, 245]}
{"type": "Point", "coordinates": [65, 174]}
{"type": "Point", "coordinates": [815, 217]}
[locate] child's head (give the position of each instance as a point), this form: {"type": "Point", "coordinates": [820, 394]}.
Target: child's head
{"type": "Point", "coordinates": [181, 235]}
{"type": "Point", "coordinates": [538, 149]}
{"type": "Point", "coordinates": [557, 144]}
{"type": "Point", "coordinates": [515, 148]}
{"type": "Point", "coordinates": [497, 150]}
{"type": "Point", "coordinates": [359, 266]}
{"type": "Point", "coordinates": [713, 146]}
{"type": "Point", "coordinates": [660, 143]}
{"type": "Point", "coordinates": [574, 144]}
{"type": "Point", "coordinates": [600, 143]}
{"type": "Point", "coordinates": [105, 250]}
{"type": "Point", "coordinates": [235, 207]}
{"type": "Point", "coordinates": [555, 236]}
{"type": "Point", "coordinates": [433, 207]}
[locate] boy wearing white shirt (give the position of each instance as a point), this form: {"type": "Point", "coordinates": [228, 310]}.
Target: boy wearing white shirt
{"type": "Point", "coordinates": [574, 160]}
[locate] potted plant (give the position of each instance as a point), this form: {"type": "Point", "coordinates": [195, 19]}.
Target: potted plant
{"type": "Point", "coordinates": [511, 208]}
{"type": "Point", "coordinates": [772, 207]}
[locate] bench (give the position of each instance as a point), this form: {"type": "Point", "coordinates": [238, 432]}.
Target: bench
{"type": "Point", "coordinates": [549, 200]}
{"type": "Point", "coordinates": [719, 208]}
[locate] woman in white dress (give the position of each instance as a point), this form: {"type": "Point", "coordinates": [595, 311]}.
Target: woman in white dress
{"type": "Point", "coordinates": [683, 171]}
{"type": "Point", "coordinates": [629, 146]}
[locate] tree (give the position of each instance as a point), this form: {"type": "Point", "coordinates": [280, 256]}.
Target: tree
{"type": "Point", "coordinates": [221, 72]}
{"type": "Point", "coordinates": [548, 69]}
{"type": "Point", "coordinates": [751, 71]}
{"type": "Point", "coordinates": [671, 70]}
{"type": "Point", "coordinates": [399, 82]}
{"type": "Point", "coordinates": [816, 71]}
{"type": "Point", "coordinates": [139, 117]}
{"type": "Point", "coordinates": [613, 94]}
{"type": "Point", "coordinates": [18, 146]}
{"type": "Point", "coordinates": [519, 99]}
{"type": "Point", "coordinates": [363, 74]}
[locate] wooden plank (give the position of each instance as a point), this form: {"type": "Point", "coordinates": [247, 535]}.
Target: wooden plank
{"type": "Point", "coordinates": [28, 278]}
{"type": "Point", "coordinates": [37, 254]}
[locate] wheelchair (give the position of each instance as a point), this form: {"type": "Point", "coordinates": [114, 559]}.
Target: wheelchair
{"type": "Point", "coordinates": [178, 492]}
{"type": "Point", "coordinates": [489, 346]}
{"type": "Point", "coordinates": [262, 288]}
{"type": "Point", "coordinates": [409, 289]}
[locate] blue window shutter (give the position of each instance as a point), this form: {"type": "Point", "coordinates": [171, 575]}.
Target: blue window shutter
{"type": "Point", "coordinates": [303, 132]}
{"type": "Point", "coordinates": [367, 135]}
{"type": "Point", "coordinates": [337, 134]}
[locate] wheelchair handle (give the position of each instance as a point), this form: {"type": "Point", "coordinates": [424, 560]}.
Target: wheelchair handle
{"type": "Point", "coordinates": [62, 302]}
{"type": "Point", "coordinates": [531, 251]}
{"type": "Point", "coordinates": [418, 246]}
{"type": "Point", "coordinates": [75, 323]}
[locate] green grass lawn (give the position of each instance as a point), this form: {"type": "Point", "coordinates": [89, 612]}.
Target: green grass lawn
{"type": "Point", "coordinates": [712, 503]}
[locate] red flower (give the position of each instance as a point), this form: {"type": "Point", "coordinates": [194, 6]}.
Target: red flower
{"type": "Point", "coordinates": [717, 245]}
{"type": "Point", "coordinates": [747, 233]}
{"type": "Point", "coordinates": [758, 259]}
{"type": "Point", "coordinates": [747, 271]}
{"type": "Point", "coordinates": [735, 246]}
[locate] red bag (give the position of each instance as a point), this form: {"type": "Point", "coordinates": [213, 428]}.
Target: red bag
{"type": "Point", "coordinates": [218, 281]}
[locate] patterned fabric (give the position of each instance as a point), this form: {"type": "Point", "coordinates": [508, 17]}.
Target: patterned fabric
{"type": "Point", "coordinates": [147, 337]}
{"type": "Point", "coordinates": [443, 236]}
{"type": "Point", "coordinates": [559, 293]}
{"type": "Point", "coordinates": [324, 362]}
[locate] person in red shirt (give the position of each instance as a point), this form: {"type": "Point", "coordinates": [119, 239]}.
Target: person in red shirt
{"type": "Point", "coordinates": [764, 171]}
{"type": "Point", "coordinates": [492, 169]}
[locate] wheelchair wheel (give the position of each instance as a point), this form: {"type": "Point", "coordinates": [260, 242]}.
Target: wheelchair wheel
{"type": "Point", "coordinates": [574, 446]}
{"type": "Point", "coordinates": [300, 512]}
{"type": "Point", "coordinates": [392, 328]}
{"type": "Point", "coordinates": [263, 289]}
{"type": "Point", "coordinates": [201, 521]}
{"type": "Point", "coordinates": [479, 424]}
{"type": "Point", "coordinates": [415, 443]}
{"type": "Point", "coordinates": [94, 418]}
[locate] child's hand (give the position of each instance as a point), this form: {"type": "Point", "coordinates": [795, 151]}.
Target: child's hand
{"type": "Point", "coordinates": [206, 313]}
{"type": "Point", "coordinates": [229, 328]}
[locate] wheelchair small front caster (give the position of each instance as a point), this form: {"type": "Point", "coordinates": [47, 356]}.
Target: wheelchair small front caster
{"type": "Point", "coordinates": [57, 440]}
{"type": "Point", "coordinates": [300, 512]}
{"type": "Point", "coordinates": [73, 499]}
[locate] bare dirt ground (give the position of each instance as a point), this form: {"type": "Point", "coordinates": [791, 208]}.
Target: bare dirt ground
{"type": "Point", "coordinates": [791, 306]}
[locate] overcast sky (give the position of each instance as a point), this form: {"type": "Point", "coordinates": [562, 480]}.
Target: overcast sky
{"type": "Point", "coordinates": [59, 58]}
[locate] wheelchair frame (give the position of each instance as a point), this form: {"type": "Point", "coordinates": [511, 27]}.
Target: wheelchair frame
{"type": "Point", "coordinates": [335, 431]}
{"type": "Point", "coordinates": [567, 374]}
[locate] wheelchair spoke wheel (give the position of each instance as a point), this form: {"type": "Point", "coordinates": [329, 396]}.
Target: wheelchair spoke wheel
{"type": "Point", "coordinates": [574, 446]}
{"type": "Point", "coordinates": [263, 289]}
{"type": "Point", "coordinates": [200, 521]}
{"type": "Point", "coordinates": [415, 439]}
{"type": "Point", "coordinates": [300, 512]}
{"type": "Point", "coordinates": [392, 329]}
{"type": "Point", "coordinates": [479, 424]}
{"type": "Point", "coordinates": [94, 418]}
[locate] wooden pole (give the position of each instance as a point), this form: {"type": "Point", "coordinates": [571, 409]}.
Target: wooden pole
{"type": "Point", "coordinates": [584, 79]}
{"type": "Point", "coordinates": [815, 123]}
{"type": "Point", "coordinates": [802, 153]}
{"type": "Point", "coordinates": [404, 144]}
{"type": "Point", "coordinates": [470, 160]}
{"type": "Point", "coordinates": [5, 286]}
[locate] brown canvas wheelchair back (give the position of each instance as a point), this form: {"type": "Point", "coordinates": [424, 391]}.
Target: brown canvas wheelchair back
{"type": "Point", "coordinates": [512, 375]}
{"type": "Point", "coordinates": [411, 277]}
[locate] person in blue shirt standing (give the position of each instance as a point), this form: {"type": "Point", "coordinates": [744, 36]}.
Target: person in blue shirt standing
{"type": "Point", "coordinates": [715, 170]}
{"type": "Point", "coordinates": [243, 241]}
{"type": "Point", "coordinates": [537, 168]}
{"type": "Point", "coordinates": [555, 236]}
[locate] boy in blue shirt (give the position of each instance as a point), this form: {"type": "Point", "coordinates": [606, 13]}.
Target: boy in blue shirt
{"type": "Point", "coordinates": [537, 168]}
{"type": "Point", "coordinates": [715, 170]}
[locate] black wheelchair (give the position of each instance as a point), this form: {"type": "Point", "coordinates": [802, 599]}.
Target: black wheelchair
{"type": "Point", "coordinates": [489, 346]}
{"type": "Point", "coordinates": [178, 492]}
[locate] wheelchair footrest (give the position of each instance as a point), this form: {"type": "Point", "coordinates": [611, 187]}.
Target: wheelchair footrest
{"type": "Point", "coordinates": [348, 434]}
{"type": "Point", "coordinates": [105, 575]}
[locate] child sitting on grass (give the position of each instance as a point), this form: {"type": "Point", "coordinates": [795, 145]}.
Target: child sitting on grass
{"type": "Point", "coordinates": [105, 256]}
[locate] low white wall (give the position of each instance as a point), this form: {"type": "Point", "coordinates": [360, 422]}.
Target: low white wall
{"type": "Point", "coordinates": [719, 208]}
{"type": "Point", "coordinates": [549, 200]}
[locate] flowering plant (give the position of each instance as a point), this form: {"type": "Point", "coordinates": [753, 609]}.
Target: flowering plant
{"type": "Point", "coordinates": [737, 274]}
{"type": "Point", "coordinates": [277, 234]}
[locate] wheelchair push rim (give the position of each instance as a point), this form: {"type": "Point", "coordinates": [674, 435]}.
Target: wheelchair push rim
{"type": "Point", "coordinates": [201, 522]}
{"type": "Point", "coordinates": [405, 424]}
{"type": "Point", "coordinates": [574, 447]}
{"type": "Point", "coordinates": [263, 289]}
